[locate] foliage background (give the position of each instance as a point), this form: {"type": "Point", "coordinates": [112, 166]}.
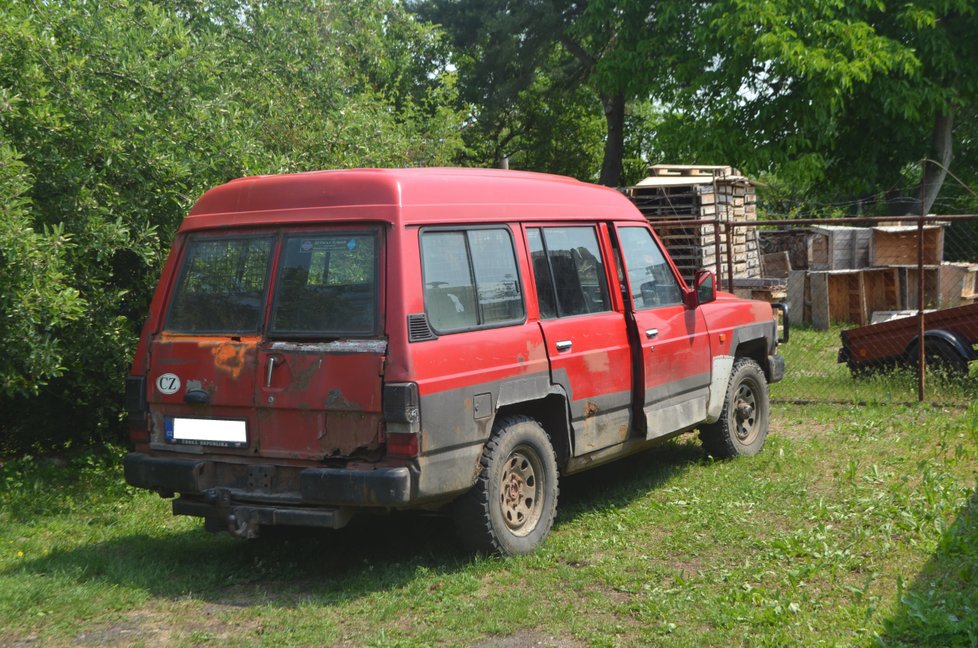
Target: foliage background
{"type": "Point", "coordinates": [116, 116]}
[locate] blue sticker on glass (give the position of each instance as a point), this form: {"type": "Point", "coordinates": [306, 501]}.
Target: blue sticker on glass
{"type": "Point", "coordinates": [351, 245]}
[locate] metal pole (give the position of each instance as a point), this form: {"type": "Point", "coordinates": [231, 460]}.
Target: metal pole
{"type": "Point", "coordinates": [921, 355]}
{"type": "Point", "coordinates": [730, 264]}
{"type": "Point", "coordinates": [716, 232]}
{"type": "Point", "coordinates": [716, 250]}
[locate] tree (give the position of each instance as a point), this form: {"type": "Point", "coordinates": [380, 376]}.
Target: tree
{"type": "Point", "coordinates": [838, 99]}
{"type": "Point", "coordinates": [36, 300]}
{"type": "Point", "coordinates": [124, 113]}
{"type": "Point", "coordinates": [616, 50]}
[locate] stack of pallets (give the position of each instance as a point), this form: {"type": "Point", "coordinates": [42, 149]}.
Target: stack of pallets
{"type": "Point", "coordinates": [700, 195]}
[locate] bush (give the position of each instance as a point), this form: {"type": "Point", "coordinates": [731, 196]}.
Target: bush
{"type": "Point", "coordinates": [125, 113]}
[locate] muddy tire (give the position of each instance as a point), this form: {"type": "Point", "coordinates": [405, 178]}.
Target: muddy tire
{"type": "Point", "coordinates": [512, 506]}
{"type": "Point", "coordinates": [742, 427]}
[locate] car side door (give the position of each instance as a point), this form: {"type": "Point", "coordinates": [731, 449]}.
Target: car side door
{"type": "Point", "coordinates": [585, 334]}
{"type": "Point", "coordinates": [675, 347]}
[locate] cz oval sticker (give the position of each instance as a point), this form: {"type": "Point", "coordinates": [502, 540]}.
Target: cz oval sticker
{"type": "Point", "coordinates": [168, 383]}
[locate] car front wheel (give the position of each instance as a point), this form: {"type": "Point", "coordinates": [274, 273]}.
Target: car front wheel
{"type": "Point", "coordinates": [742, 427]}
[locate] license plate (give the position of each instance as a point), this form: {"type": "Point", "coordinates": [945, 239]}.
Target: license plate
{"type": "Point", "coordinates": [213, 432]}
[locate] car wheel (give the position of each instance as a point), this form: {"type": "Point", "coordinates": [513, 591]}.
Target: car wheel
{"type": "Point", "coordinates": [742, 427]}
{"type": "Point", "coordinates": [944, 360]}
{"type": "Point", "coordinates": [511, 507]}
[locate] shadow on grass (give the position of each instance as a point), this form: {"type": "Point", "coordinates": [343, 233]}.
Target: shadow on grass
{"type": "Point", "coordinates": [619, 483]}
{"type": "Point", "coordinates": [373, 553]}
{"type": "Point", "coordinates": [940, 608]}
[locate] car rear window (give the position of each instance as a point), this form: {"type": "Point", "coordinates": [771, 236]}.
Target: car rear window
{"type": "Point", "coordinates": [221, 286]}
{"type": "Point", "coordinates": [326, 286]}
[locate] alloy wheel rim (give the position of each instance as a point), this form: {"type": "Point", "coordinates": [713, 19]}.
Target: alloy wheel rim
{"type": "Point", "coordinates": [745, 416]}
{"type": "Point", "coordinates": [521, 491]}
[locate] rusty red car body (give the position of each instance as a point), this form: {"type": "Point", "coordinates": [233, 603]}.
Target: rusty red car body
{"type": "Point", "coordinates": [325, 343]}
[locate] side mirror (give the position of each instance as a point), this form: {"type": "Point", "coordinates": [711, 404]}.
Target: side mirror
{"type": "Point", "coordinates": [705, 285]}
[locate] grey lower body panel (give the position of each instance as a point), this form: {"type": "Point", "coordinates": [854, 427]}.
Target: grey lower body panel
{"type": "Point", "coordinates": [243, 498]}
{"type": "Point", "coordinates": [276, 484]}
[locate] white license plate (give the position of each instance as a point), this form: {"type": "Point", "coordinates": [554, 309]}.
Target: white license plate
{"type": "Point", "coordinates": [217, 432]}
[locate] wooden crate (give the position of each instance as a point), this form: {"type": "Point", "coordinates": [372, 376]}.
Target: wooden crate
{"type": "Point", "coordinates": [968, 280]}
{"type": "Point", "coordinates": [701, 195]}
{"type": "Point", "coordinates": [776, 264]}
{"type": "Point", "coordinates": [795, 242]}
{"type": "Point", "coordinates": [897, 245]}
{"type": "Point", "coordinates": [839, 247]}
{"type": "Point", "coordinates": [851, 295]}
{"type": "Point", "coordinates": [945, 286]}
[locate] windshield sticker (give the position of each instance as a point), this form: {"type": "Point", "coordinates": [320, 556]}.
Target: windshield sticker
{"type": "Point", "coordinates": [328, 245]}
{"type": "Point", "coordinates": [168, 383]}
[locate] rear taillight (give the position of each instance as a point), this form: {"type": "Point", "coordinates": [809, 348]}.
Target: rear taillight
{"type": "Point", "coordinates": [402, 419]}
{"type": "Point", "coordinates": [403, 445]}
{"type": "Point", "coordinates": [136, 409]}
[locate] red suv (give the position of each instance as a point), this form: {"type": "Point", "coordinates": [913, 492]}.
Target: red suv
{"type": "Point", "coordinates": [326, 343]}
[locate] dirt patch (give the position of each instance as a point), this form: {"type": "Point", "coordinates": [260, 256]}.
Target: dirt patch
{"type": "Point", "coordinates": [138, 626]}
{"type": "Point", "coordinates": [801, 429]}
{"type": "Point", "coordinates": [152, 628]}
{"type": "Point", "coordinates": [529, 638]}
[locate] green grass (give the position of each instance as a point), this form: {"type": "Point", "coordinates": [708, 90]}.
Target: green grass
{"type": "Point", "coordinates": [857, 525]}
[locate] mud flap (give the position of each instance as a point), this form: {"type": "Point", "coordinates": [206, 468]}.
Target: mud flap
{"type": "Point", "coordinates": [722, 368]}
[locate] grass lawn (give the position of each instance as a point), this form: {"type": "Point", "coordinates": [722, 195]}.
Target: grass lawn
{"type": "Point", "coordinates": [857, 525]}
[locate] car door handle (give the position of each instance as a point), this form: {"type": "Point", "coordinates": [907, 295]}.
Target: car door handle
{"type": "Point", "coordinates": [564, 345]}
{"type": "Point", "coordinates": [272, 361]}
{"type": "Point", "coordinates": [651, 333]}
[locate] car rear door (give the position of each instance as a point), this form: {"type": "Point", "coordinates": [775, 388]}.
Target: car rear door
{"type": "Point", "coordinates": [586, 338]}
{"type": "Point", "coordinates": [202, 364]}
{"type": "Point", "coordinates": [318, 392]}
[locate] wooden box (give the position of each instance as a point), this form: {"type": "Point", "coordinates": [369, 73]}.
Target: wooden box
{"type": "Point", "coordinates": [851, 295]}
{"type": "Point", "coordinates": [839, 248]}
{"type": "Point", "coordinates": [897, 246]}
{"type": "Point", "coordinates": [945, 286]}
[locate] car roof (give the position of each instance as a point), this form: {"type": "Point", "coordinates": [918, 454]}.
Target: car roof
{"type": "Point", "coordinates": [417, 196]}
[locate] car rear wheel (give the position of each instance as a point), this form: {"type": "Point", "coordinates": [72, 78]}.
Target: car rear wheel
{"type": "Point", "coordinates": [742, 427]}
{"type": "Point", "coordinates": [512, 506]}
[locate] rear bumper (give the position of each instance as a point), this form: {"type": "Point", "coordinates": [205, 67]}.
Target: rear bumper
{"type": "Point", "coordinates": [383, 487]}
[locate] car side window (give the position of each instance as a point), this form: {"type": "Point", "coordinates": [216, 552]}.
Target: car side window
{"type": "Point", "coordinates": [569, 271]}
{"type": "Point", "coordinates": [650, 279]}
{"type": "Point", "coordinates": [470, 279]}
{"type": "Point", "coordinates": [541, 271]}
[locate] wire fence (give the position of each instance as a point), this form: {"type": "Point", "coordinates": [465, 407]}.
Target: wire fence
{"type": "Point", "coordinates": [882, 309]}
